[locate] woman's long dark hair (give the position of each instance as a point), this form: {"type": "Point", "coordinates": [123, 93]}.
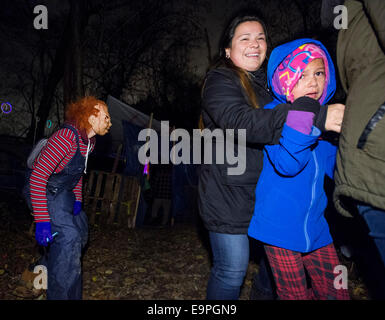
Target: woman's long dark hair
{"type": "Point", "coordinates": [222, 61]}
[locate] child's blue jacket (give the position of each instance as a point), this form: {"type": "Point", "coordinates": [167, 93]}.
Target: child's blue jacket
{"type": "Point", "coordinates": [290, 197]}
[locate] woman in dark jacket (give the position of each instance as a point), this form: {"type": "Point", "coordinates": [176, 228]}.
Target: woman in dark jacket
{"type": "Point", "coordinates": [233, 96]}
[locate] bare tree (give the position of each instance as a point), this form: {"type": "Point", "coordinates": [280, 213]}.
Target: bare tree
{"type": "Point", "coordinates": [94, 47]}
{"type": "Point", "coordinates": [73, 68]}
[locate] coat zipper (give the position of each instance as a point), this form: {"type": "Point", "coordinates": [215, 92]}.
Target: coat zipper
{"type": "Point", "coordinates": [311, 202]}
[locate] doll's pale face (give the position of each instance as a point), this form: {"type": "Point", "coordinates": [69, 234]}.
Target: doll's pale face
{"type": "Point", "coordinates": [312, 82]}
{"type": "Point", "coordinates": [101, 123]}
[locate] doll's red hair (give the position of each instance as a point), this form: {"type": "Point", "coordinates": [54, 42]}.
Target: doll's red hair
{"type": "Point", "coordinates": [79, 111]}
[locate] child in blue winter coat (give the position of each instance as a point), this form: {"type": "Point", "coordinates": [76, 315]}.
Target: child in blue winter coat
{"type": "Point", "coordinates": [290, 198]}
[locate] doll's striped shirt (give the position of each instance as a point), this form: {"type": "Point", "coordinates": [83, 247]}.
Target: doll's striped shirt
{"type": "Point", "coordinates": [57, 153]}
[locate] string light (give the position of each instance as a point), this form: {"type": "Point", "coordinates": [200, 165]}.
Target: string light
{"type": "Point", "coordinates": [7, 104]}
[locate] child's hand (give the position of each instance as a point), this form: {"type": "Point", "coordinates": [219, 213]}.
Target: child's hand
{"type": "Point", "coordinates": [334, 117]}
{"type": "Point", "coordinates": [302, 113]}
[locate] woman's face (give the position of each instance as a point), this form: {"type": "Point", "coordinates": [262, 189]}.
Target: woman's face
{"type": "Point", "coordinates": [248, 46]}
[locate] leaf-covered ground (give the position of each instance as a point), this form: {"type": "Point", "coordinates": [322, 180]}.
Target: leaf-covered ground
{"type": "Point", "coordinates": [120, 263]}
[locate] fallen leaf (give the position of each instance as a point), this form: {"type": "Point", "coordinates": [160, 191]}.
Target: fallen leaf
{"type": "Point", "coordinates": [358, 291]}
{"type": "Point", "coordinates": [28, 276]}
{"type": "Point", "coordinates": [21, 291]}
{"type": "Point", "coordinates": [29, 285]}
{"type": "Point", "coordinates": [128, 281]}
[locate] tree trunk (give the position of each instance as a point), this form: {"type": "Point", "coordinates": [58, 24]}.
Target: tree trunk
{"type": "Point", "coordinates": [209, 58]}
{"type": "Point", "coordinates": [68, 62]}
{"type": "Point", "coordinates": [54, 78]}
{"type": "Point", "coordinates": [73, 70]}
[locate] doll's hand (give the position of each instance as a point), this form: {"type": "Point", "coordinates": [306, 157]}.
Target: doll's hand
{"type": "Point", "coordinates": [43, 233]}
{"type": "Point", "coordinates": [77, 207]}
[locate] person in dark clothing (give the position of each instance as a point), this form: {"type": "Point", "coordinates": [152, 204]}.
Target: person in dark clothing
{"type": "Point", "coordinates": [360, 171]}
{"type": "Point", "coordinates": [233, 95]}
{"type": "Point", "coordinates": [161, 188]}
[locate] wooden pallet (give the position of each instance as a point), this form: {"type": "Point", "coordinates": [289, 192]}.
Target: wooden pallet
{"type": "Point", "coordinates": [111, 198]}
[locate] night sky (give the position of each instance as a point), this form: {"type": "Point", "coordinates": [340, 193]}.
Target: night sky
{"type": "Point", "coordinates": [143, 52]}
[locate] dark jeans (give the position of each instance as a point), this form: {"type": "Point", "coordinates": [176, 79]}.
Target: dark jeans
{"type": "Point", "coordinates": [263, 287]}
{"type": "Point", "coordinates": [230, 262]}
{"type": "Point", "coordinates": [375, 219]}
{"type": "Point", "coordinates": [372, 254]}
{"type": "Point", "coordinates": [64, 253]}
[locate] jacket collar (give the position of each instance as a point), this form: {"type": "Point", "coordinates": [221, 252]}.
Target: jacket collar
{"type": "Point", "coordinates": [259, 77]}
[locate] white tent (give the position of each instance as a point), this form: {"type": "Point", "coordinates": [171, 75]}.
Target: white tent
{"type": "Point", "coordinates": [121, 111]}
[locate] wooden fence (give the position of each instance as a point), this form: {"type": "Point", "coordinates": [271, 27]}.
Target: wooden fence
{"type": "Point", "coordinates": [111, 198]}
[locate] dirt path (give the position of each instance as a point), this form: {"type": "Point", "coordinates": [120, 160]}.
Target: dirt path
{"type": "Point", "coordinates": [143, 263]}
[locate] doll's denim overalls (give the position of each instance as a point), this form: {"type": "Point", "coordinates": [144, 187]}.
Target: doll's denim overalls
{"type": "Point", "coordinates": [63, 259]}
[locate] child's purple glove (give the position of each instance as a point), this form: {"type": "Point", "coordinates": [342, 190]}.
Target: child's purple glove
{"type": "Point", "coordinates": [77, 207]}
{"type": "Point", "coordinates": [43, 231]}
{"type": "Point", "coordinates": [301, 121]}
{"type": "Point", "coordinates": [302, 113]}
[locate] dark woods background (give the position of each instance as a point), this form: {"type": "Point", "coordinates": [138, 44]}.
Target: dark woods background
{"type": "Point", "coordinates": [151, 54]}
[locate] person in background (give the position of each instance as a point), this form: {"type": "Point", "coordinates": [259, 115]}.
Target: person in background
{"type": "Point", "coordinates": [54, 193]}
{"type": "Point", "coordinates": [290, 198]}
{"type": "Point", "coordinates": [233, 95]}
{"type": "Point", "coordinates": [360, 169]}
{"type": "Point", "coordinates": [161, 189]}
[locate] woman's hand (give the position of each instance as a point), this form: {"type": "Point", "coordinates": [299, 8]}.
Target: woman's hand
{"type": "Point", "coordinates": [334, 117]}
